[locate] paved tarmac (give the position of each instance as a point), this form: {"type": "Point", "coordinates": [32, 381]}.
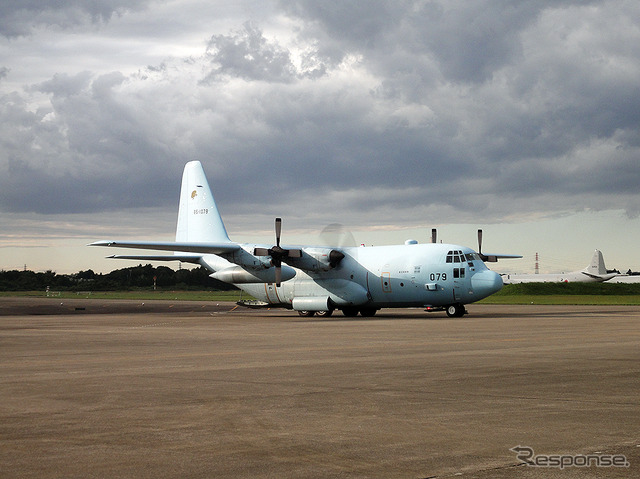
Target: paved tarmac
{"type": "Point", "coordinates": [208, 390]}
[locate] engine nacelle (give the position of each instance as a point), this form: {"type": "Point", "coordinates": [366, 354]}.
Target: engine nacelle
{"type": "Point", "coordinates": [247, 260]}
{"type": "Point", "coordinates": [316, 259]}
{"type": "Point", "coordinates": [238, 275]}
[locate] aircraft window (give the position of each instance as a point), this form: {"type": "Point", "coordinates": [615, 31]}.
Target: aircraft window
{"type": "Point", "coordinates": [458, 272]}
{"type": "Point", "coordinates": [456, 259]}
{"type": "Point", "coordinates": [449, 258]}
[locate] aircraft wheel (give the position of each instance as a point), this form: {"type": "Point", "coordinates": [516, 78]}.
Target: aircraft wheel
{"type": "Point", "coordinates": [368, 312]}
{"type": "Point", "coordinates": [324, 314]}
{"type": "Point", "coordinates": [350, 312]}
{"type": "Point", "coordinates": [306, 314]}
{"type": "Point", "coordinates": [456, 310]}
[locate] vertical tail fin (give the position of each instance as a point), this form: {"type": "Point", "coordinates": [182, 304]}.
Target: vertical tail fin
{"type": "Point", "coordinates": [597, 266]}
{"type": "Point", "coordinates": [198, 216]}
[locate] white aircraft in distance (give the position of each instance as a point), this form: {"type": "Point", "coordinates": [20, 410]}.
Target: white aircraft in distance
{"type": "Point", "coordinates": [321, 279]}
{"type": "Point", "coordinates": [595, 272]}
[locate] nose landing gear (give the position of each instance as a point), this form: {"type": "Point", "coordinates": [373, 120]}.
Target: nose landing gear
{"type": "Point", "coordinates": [456, 310]}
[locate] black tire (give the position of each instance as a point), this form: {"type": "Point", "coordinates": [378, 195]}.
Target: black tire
{"type": "Point", "coordinates": [456, 310]}
{"type": "Point", "coordinates": [368, 312]}
{"type": "Point", "coordinates": [324, 314]}
{"type": "Point", "coordinates": [350, 312]}
{"type": "Point", "coordinates": [306, 314]}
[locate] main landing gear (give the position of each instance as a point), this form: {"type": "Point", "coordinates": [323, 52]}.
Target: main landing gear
{"type": "Point", "coordinates": [322, 314]}
{"type": "Point", "coordinates": [351, 312]}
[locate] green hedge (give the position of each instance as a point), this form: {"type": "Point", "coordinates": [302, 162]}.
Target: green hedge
{"type": "Point", "coordinates": [600, 289]}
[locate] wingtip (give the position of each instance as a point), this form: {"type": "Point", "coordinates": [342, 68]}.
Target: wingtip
{"type": "Point", "coordinates": [101, 243]}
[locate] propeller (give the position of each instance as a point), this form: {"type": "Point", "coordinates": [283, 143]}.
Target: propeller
{"type": "Point", "coordinates": [277, 253]}
{"type": "Point", "coordinates": [336, 235]}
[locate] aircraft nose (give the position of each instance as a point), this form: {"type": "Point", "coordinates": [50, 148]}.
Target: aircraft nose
{"type": "Point", "coordinates": [485, 283]}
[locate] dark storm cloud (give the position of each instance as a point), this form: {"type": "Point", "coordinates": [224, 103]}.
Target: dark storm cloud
{"type": "Point", "coordinates": [19, 17]}
{"type": "Point", "coordinates": [403, 110]}
{"type": "Point", "coordinates": [88, 152]}
{"type": "Point", "coordinates": [468, 40]}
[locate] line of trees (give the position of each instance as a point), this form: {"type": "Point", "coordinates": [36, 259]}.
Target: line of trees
{"type": "Point", "coordinates": [136, 277]}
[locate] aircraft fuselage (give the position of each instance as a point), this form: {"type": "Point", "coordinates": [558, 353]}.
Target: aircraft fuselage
{"type": "Point", "coordinates": [389, 276]}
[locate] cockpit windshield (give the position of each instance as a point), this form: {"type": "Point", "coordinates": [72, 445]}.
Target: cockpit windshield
{"type": "Point", "coordinates": [457, 256]}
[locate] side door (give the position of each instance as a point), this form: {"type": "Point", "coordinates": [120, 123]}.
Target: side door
{"type": "Point", "coordinates": [385, 280]}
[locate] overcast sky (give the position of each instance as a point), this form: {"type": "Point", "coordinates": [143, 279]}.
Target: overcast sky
{"type": "Point", "coordinates": [390, 117]}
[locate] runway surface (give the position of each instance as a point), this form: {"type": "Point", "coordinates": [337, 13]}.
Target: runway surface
{"type": "Point", "coordinates": [198, 389]}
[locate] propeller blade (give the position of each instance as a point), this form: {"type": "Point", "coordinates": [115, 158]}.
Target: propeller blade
{"type": "Point", "coordinates": [294, 253]}
{"type": "Point", "coordinates": [278, 276]}
{"type": "Point", "coordinates": [491, 259]}
{"type": "Point", "coordinates": [336, 235]}
{"type": "Point", "coordinates": [278, 230]}
{"type": "Point", "coordinates": [261, 252]}
{"type": "Point", "coordinates": [434, 235]}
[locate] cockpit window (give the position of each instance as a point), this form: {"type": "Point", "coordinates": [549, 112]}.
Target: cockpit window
{"type": "Point", "coordinates": [456, 256]}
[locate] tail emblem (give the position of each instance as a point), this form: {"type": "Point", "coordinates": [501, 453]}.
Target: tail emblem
{"type": "Point", "coordinates": [194, 193]}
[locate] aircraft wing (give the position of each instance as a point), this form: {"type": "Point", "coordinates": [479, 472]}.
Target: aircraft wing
{"type": "Point", "coordinates": [203, 248]}
{"type": "Point", "coordinates": [194, 258]}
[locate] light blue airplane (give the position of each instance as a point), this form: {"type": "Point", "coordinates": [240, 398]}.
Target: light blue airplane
{"type": "Point", "coordinates": [321, 279]}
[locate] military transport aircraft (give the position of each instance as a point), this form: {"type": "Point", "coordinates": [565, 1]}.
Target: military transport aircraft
{"type": "Point", "coordinates": [596, 271]}
{"type": "Point", "coordinates": [319, 279]}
